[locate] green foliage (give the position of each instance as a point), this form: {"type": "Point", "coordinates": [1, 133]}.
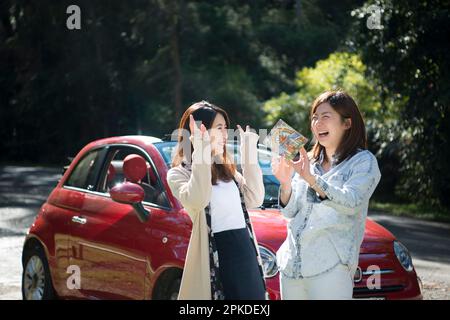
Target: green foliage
{"type": "Point", "coordinates": [339, 70]}
{"type": "Point", "coordinates": [408, 209]}
{"type": "Point", "coordinates": [409, 57]}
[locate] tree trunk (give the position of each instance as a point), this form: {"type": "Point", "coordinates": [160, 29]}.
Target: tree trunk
{"type": "Point", "coordinates": [298, 11]}
{"type": "Point", "coordinates": [176, 60]}
{"type": "Point", "coordinates": [178, 75]}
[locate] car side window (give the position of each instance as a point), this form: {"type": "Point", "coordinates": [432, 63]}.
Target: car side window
{"type": "Point", "coordinates": [113, 174]}
{"type": "Point", "coordinates": [84, 174]}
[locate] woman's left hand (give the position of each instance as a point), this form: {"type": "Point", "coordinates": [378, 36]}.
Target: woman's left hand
{"type": "Point", "coordinates": [302, 167]}
{"type": "Point", "coordinates": [245, 133]}
{"type": "Point", "coordinates": [249, 142]}
{"type": "Point", "coordinates": [247, 136]}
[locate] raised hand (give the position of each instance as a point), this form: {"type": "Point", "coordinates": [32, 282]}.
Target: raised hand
{"type": "Point", "coordinates": [196, 132]}
{"type": "Point", "coordinates": [282, 170]}
{"type": "Point", "coordinates": [249, 142]}
{"type": "Point", "coordinates": [302, 167]}
{"type": "Point", "coordinates": [241, 131]}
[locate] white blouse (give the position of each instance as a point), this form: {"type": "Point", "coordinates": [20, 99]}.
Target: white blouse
{"type": "Point", "coordinates": [226, 209]}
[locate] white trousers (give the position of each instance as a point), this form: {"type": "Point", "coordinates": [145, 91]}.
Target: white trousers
{"type": "Point", "coordinates": [337, 284]}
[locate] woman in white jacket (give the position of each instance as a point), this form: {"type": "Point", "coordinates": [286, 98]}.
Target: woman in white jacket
{"type": "Point", "coordinates": [326, 202]}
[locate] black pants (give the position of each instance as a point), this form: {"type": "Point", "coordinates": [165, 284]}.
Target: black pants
{"type": "Point", "coordinates": [239, 270]}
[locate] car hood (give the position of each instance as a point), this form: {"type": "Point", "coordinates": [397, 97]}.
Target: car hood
{"type": "Point", "coordinates": [270, 228]}
{"type": "Point", "coordinates": [377, 239]}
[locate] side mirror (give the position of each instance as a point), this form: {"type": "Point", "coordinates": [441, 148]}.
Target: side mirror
{"type": "Point", "coordinates": [127, 193]}
{"type": "Point", "coordinates": [132, 194]}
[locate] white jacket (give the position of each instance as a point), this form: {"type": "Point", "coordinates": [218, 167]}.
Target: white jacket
{"type": "Point", "coordinates": [324, 233]}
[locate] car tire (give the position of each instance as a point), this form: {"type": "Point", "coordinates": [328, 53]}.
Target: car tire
{"type": "Point", "coordinates": [36, 280]}
{"type": "Point", "coordinates": [168, 286]}
{"type": "Point", "coordinates": [173, 289]}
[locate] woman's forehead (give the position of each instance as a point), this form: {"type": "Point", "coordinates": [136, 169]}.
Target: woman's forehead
{"type": "Point", "coordinates": [219, 119]}
{"type": "Point", "coordinates": [323, 108]}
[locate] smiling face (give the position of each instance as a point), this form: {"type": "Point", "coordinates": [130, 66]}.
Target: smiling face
{"type": "Point", "coordinates": [328, 126]}
{"type": "Point", "coordinates": [218, 134]}
{"type": "Point", "coordinates": [216, 120]}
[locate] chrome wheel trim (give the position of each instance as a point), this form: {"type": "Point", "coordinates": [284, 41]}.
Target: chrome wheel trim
{"type": "Point", "coordinates": [34, 279]}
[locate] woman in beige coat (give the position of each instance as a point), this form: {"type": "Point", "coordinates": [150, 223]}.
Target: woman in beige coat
{"type": "Point", "coordinates": [222, 260]}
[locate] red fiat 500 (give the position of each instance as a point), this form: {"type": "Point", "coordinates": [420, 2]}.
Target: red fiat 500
{"type": "Point", "coordinates": [111, 229]}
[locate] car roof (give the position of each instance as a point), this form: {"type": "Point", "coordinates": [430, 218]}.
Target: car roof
{"type": "Point", "coordinates": [130, 139]}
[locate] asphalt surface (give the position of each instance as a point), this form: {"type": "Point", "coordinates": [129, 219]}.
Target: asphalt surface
{"type": "Point", "coordinates": [24, 189]}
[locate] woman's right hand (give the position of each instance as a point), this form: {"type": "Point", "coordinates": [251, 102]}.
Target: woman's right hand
{"type": "Point", "coordinates": [282, 170]}
{"type": "Point", "coordinates": [198, 134]}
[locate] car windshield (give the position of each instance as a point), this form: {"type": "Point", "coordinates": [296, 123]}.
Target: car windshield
{"type": "Point", "coordinates": [271, 184]}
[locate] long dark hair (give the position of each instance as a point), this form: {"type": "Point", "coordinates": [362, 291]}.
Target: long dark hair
{"type": "Point", "coordinates": [206, 113]}
{"type": "Point", "coordinates": [355, 137]}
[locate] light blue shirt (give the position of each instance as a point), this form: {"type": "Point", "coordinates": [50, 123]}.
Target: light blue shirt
{"type": "Point", "coordinates": [324, 233]}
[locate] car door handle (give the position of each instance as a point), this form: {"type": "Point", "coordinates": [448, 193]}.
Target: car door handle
{"type": "Point", "coordinates": [79, 220]}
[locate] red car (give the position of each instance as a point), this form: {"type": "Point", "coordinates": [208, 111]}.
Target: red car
{"type": "Point", "coordinates": [111, 229]}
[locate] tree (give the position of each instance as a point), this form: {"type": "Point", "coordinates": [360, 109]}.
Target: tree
{"type": "Point", "coordinates": [409, 56]}
{"type": "Point", "coordinates": [340, 70]}
{"type": "Point", "coordinates": [134, 66]}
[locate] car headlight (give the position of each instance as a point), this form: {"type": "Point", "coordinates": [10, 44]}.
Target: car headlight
{"type": "Point", "coordinates": [269, 262]}
{"type": "Point", "coordinates": [403, 256]}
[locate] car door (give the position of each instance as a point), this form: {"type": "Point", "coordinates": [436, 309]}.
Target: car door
{"type": "Point", "coordinates": [163, 239]}
{"type": "Point", "coordinates": [71, 198]}
{"type": "Point", "coordinates": [104, 242]}
{"type": "Point", "coordinates": [63, 204]}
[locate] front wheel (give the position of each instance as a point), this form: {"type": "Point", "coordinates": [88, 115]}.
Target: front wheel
{"type": "Point", "coordinates": [168, 286]}
{"type": "Point", "coordinates": [174, 289]}
{"type": "Point", "coordinates": [36, 280]}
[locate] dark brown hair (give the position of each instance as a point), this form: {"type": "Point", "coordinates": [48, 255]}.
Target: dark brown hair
{"type": "Point", "coordinates": [355, 137]}
{"type": "Point", "coordinates": [206, 113]}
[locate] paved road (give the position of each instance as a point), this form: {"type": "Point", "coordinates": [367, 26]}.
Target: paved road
{"type": "Point", "coordinates": [22, 192]}
{"type": "Point", "coordinates": [429, 244]}
{"type": "Point", "coordinates": [24, 189]}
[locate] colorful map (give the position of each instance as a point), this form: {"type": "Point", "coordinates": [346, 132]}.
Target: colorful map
{"type": "Point", "coordinates": [284, 140]}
